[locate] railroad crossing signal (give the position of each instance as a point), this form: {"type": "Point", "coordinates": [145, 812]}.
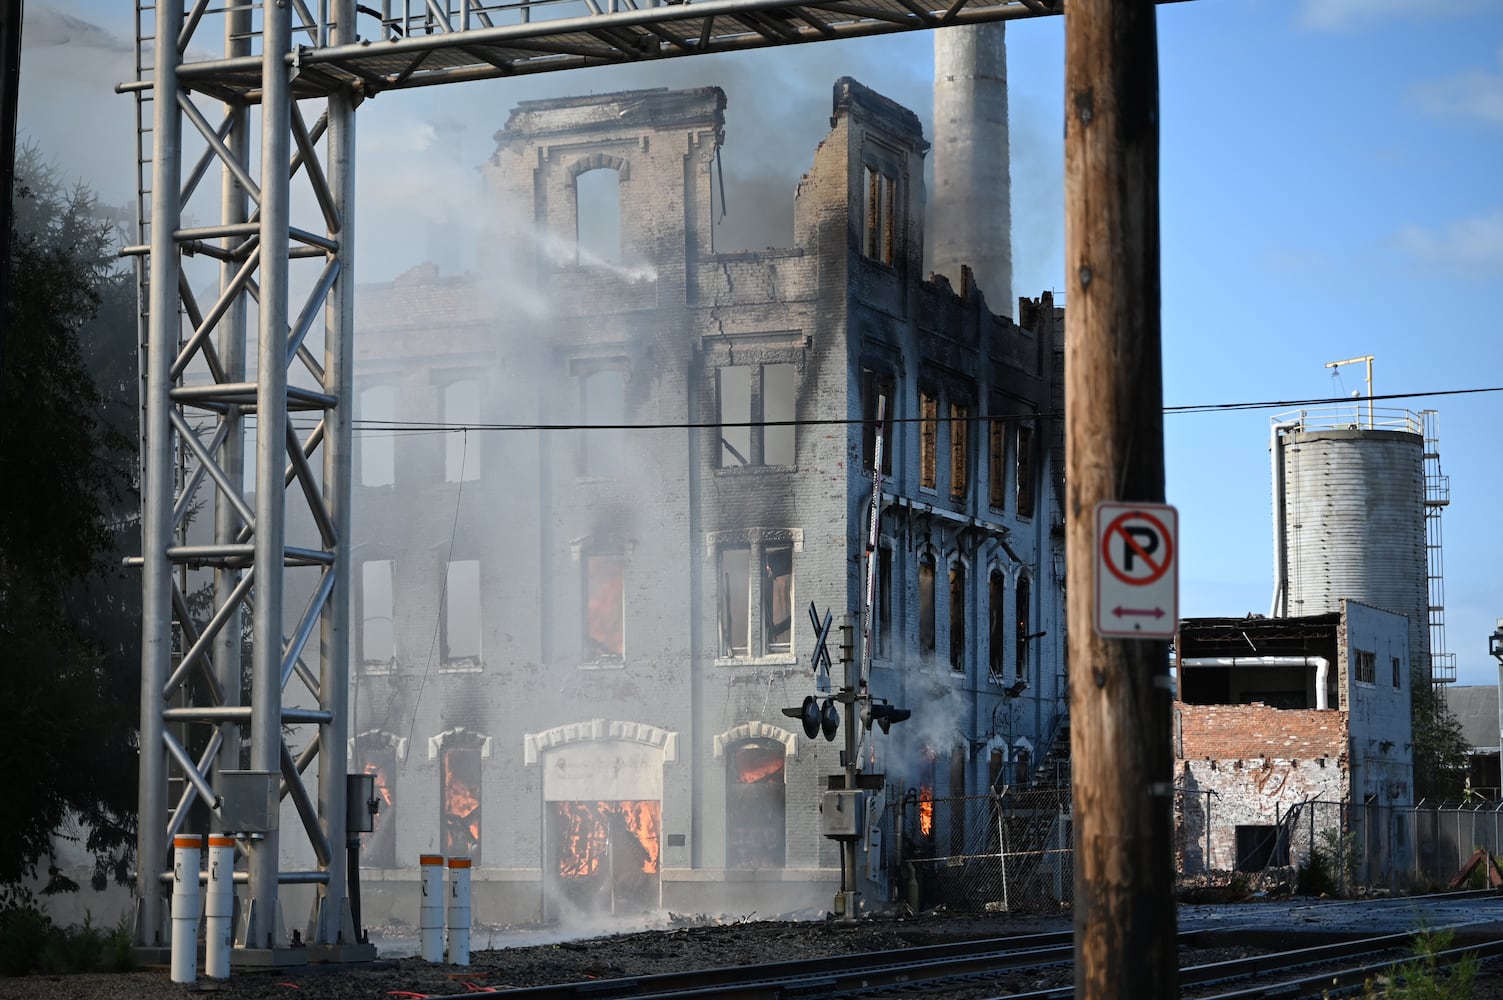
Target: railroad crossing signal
{"type": "Point", "coordinates": [1137, 571]}
{"type": "Point", "coordinates": [821, 634]}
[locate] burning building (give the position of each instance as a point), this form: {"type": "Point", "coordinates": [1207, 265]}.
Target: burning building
{"type": "Point", "coordinates": [601, 479]}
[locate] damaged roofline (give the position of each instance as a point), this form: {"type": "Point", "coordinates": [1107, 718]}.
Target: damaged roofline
{"type": "Point", "coordinates": [1320, 663]}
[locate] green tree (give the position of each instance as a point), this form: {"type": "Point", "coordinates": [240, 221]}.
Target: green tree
{"type": "Point", "coordinates": [1441, 751]}
{"type": "Point", "coordinates": [69, 613]}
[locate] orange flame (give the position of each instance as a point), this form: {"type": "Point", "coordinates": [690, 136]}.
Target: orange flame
{"type": "Point", "coordinates": [752, 772]}
{"type": "Point", "coordinates": [926, 810]}
{"type": "Point", "coordinates": [642, 820]}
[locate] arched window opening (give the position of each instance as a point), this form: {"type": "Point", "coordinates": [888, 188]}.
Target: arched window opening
{"type": "Point", "coordinates": [756, 806]}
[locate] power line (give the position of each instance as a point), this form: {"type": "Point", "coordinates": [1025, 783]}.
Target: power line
{"type": "Point", "coordinates": [405, 427]}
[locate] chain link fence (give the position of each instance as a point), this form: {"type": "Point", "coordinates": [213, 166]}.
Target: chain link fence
{"type": "Point", "coordinates": [1008, 851]}
{"type": "Point", "coordinates": [1362, 846]}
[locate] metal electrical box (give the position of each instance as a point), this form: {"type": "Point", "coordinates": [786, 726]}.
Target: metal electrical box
{"type": "Point", "coordinates": [841, 813]}
{"type": "Point", "coordinates": [249, 801]}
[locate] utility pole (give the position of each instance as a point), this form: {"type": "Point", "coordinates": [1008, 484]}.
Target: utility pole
{"type": "Point", "coordinates": [1120, 688]}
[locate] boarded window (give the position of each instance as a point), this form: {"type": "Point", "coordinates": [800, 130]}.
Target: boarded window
{"type": "Point", "coordinates": [928, 438]}
{"type": "Point", "coordinates": [461, 409]}
{"type": "Point", "coordinates": [1367, 666]}
{"type": "Point", "coordinates": [996, 635]}
{"type": "Point", "coordinates": [957, 802]}
{"type": "Point", "coordinates": [598, 226]}
{"type": "Point", "coordinates": [377, 638]}
{"type": "Point", "coordinates": [1025, 475]}
{"type": "Point", "coordinates": [879, 228]}
{"type": "Point", "coordinates": [602, 416]}
{"type": "Point", "coordinates": [735, 601]}
{"type": "Point", "coordinates": [756, 806]}
{"type": "Point", "coordinates": [777, 598]}
{"type": "Point", "coordinates": [874, 386]}
{"type": "Point", "coordinates": [378, 406]}
{"type": "Point", "coordinates": [960, 430]}
{"type": "Point", "coordinates": [459, 780]}
{"type": "Point", "coordinates": [1024, 615]}
{"type": "Point", "coordinates": [996, 463]}
{"type": "Point", "coordinates": [926, 603]}
{"type": "Point", "coordinates": [957, 616]}
{"type": "Point", "coordinates": [461, 638]}
{"type": "Point", "coordinates": [757, 410]}
{"type": "Point", "coordinates": [604, 633]}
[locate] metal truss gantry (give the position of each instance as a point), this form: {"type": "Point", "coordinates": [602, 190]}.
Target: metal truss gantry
{"type": "Point", "coordinates": [247, 361]}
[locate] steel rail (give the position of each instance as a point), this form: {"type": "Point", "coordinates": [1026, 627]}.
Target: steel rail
{"type": "Point", "coordinates": [932, 965]}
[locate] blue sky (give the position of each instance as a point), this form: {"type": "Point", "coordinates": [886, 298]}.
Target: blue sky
{"type": "Point", "coordinates": [1332, 186]}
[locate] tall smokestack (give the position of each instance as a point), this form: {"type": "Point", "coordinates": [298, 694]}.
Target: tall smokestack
{"type": "Point", "coordinates": [971, 215]}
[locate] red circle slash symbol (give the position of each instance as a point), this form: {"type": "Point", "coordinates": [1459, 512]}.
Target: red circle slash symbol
{"type": "Point", "coordinates": [1137, 548]}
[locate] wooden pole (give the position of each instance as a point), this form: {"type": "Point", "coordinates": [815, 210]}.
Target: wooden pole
{"type": "Point", "coordinates": [1120, 697]}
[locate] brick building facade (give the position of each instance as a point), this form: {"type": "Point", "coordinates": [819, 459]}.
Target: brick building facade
{"type": "Point", "coordinates": [575, 644]}
{"type": "Point", "coordinates": [1286, 728]}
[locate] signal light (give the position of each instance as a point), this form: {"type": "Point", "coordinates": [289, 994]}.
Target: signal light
{"type": "Point", "coordinates": [829, 719]}
{"type": "Point", "coordinates": [885, 715]}
{"type": "Point", "coordinates": [808, 714]}
{"type": "Point", "coordinates": [816, 718]}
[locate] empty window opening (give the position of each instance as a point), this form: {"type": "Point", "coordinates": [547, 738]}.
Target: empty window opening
{"type": "Point", "coordinates": [924, 820]}
{"type": "Point", "coordinates": [377, 758]}
{"type": "Point", "coordinates": [1025, 474]}
{"type": "Point", "coordinates": [1022, 767]}
{"type": "Point", "coordinates": [996, 634]}
{"type": "Point", "coordinates": [756, 806]}
{"type": "Point", "coordinates": [879, 227]}
{"type": "Point", "coordinates": [996, 463]}
{"type": "Point", "coordinates": [459, 782]}
{"type": "Point", "coordinates": [928, 438]}
{"type": "Point", "coordinates": [377, 634]}
{"type": "Point", "coordinates": [1261, 846]}
{"type": "Point", "coordinates": [777, 598]}
{"type": "Point", "coordinates": [602, 414]}
{"type": "Point", "coordinates": [735, 601]}
{"type": "Point", "coordinates": [875, 386]}
{"type": "Point", "coordinates": [756, 417]}
{"type": "Point", "coordinates": [926, 603]}
{"type": "Point", "coordinates": [957, 617]}
{"type": "Point", "coordinates": [461, 619]}
{"type": "Point", "coordinates": [884, 602]}
{"type": "Point", "coordinates": [1367, 665]}
{"type": "Point", "coordinates": [461, 409]}
{"type": "Point", "coordinates": [605, 613]}
{"type": "Point", "coordinates": [598, 229]}
{"type": "Point", "coordinates": [378, 406]}
{"type": "Point", "coordinates": [1396, 680]}
{"type": "Point", "coordinates": [960, 428]}
{"type": "Point", "coordinates": [1024, 615]}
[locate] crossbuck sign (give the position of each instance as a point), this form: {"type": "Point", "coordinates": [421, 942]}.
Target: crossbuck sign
{"type": "Point", "coordinates": [1137, 571]}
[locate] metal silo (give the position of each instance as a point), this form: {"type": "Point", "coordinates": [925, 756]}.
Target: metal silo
{"type": "Point", "coordinates": [1349, 515]}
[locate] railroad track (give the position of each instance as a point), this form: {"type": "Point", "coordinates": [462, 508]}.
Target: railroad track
{"type": "Point", "coordinates": [983, 968]}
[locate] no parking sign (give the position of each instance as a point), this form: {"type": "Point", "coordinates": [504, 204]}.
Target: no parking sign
{"type": "Point", "coordinates": [1137, 572]}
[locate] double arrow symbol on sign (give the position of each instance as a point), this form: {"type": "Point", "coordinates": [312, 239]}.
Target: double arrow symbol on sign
{"type": "Point", "coordinates": [1122, 612]}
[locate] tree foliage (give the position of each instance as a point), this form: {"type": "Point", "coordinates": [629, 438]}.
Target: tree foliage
{"type": "Point", "coordinates": [69, 613]}
{"type": "Point", "coordinates": [1441, 750]}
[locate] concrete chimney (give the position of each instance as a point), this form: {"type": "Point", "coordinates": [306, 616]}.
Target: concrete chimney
{"type": "Point", "coordinates": [971, 214]}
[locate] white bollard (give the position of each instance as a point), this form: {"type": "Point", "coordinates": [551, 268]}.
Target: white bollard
{"type": "Point", "coordinates": [219, 907]}
{"type": "Point", "coordinates": [431, 916]}
{"type": "Point", "coordinates": [459, 911]}
{"type": "Point", "coordinates": [185, 898]}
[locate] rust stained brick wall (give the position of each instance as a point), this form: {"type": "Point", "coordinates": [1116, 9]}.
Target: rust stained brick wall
{"type": "Point", "coordinates": [1252, 764]}
{"type": "Point", "coordinates": [1231, 732]}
